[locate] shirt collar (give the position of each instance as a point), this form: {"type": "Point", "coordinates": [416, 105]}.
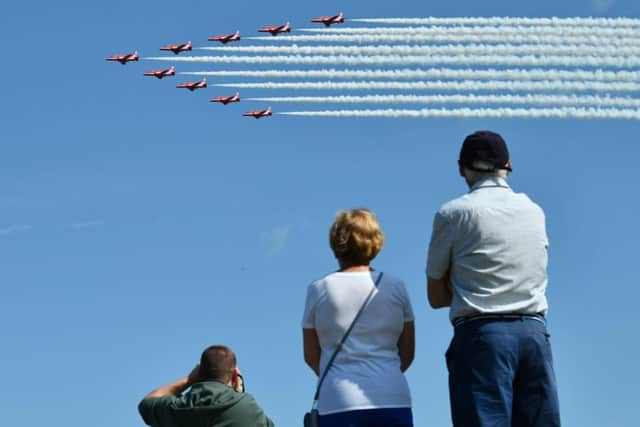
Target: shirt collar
{"type": "Point", "coordinates": [490, 182]}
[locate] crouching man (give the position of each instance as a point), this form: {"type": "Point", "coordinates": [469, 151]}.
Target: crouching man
{"type": "Point", "coordinates": [216, 397]}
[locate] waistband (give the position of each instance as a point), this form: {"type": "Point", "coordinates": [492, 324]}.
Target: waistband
{"type": "Point", "coordinates": [498, 316]}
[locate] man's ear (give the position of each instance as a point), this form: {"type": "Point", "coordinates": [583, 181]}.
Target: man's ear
{"type": "Point", "coordinates": [510, 166]}
{"type": "Point", "coordinates": [461, 169]}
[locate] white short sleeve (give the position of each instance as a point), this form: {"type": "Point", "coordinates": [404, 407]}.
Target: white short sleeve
{"type": "Point", "coordinates": [439, 258]}
{"type": "Point", "coordinates": [309, 316]}
{"type": "Point", "coordinates": [407, 309]}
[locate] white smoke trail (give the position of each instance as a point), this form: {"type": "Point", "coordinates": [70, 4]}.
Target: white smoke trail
{"type": "Point", "coordinates": [528, 99]}
{"type": "Point", "coordinates": [455, 38]}
{"type": "Point", "coordinates": [497, 113]}
{"type": "Point", "coordinates": [471, 31]}
{"type": "Point", "coordinates": [489, 60]}
{"type": "Point", "coordinates": [432, 73]}
{"type": "Point", "coordinates": [468, 49]}
{"type": "Point", "coordinates": [500, 20]}
{"type": "Point", "coordinates": [464, 85]}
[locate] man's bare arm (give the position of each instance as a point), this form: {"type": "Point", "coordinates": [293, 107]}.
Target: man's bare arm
{"type": "Point", "coordinates": [439, 292]}
{"type": "Point", "coordinates": [178, 386]}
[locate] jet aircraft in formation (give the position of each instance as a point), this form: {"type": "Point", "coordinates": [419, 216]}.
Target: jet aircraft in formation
{"type": "Point", "coordinates": [330, 20]}
{"type": "Point", "coordinates": [259, 113]}
{"type": "Point", "coordinates": [225, 38]}
{"type": "Point", "coordinates": [177, 48]}
{"type": "Point", "coordinates": [193, 85]}
{"type": "Point", "coordinates": [276, 29]}
{"type": "Point", "coordinates": [124, 58]}
{"type": "Point", "coordinates": [226, 99]}
{"type": "Point", "coordinates": [160, 74]}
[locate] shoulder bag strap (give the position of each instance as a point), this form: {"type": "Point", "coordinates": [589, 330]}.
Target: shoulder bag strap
{"type": "Point", "coordinates": [344, 338]}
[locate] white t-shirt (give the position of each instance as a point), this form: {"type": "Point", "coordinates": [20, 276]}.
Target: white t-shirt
{"type": "Point", "coordinates": [366, 373]}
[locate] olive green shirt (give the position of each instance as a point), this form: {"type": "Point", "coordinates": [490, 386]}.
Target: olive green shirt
{"type": "Point", "coordinates": [207, 404]}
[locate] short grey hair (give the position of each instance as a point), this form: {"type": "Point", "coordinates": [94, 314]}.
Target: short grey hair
{"type": "Point", "coordinates": [475, 176]}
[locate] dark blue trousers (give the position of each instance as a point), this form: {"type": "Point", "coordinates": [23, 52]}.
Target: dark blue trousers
{"type": "Point", "coordinates": [383, 417]}
{"type": "Point", "coordinates": [501, 374]}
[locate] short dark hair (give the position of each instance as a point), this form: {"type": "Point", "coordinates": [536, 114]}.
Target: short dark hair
{"type": "Point", "coordinates": [217, 363]}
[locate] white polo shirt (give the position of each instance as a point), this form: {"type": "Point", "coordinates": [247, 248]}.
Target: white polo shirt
{"type": "Point", "coordinates": [494, 243]}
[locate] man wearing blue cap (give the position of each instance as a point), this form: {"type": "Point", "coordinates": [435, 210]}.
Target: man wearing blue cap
{"type": "Point", "coordinates": [487, 261]}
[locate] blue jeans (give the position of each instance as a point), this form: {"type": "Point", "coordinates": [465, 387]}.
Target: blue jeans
{"type": "Point", "coordinates": [383, 417]}
{"type": "Point", "coordinates": [501, 374]}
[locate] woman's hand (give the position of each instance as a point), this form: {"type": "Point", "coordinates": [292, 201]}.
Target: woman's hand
{"type": "Point", "coordinates": [407, 345]}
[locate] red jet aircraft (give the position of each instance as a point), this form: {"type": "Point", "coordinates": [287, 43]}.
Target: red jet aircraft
{"type": "Point", "coordinates": [225, 38]}
{"type": "Point", "coordinates": [330, 20]}
{"type": "Point", "coordinates": [259, 113]}
{"type": "Point", "coordinates": [276, 29]}
{"type": "Point", "coordinates": [124, 58]}
{"type": "Point", "coordinates": [177, 48]}
{"type": "Point", "coordinates": [161, 73]}
{"type": "Point", "coordinates": [226, 99]}
{"type": "Point", "coordinates": [193, 85]}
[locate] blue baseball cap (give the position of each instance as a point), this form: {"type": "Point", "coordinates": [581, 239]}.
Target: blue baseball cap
{"type": "Point", "coordinates": [484, 147]}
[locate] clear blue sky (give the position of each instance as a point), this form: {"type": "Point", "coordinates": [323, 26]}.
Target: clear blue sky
{"type": "Point", "coordinates": [139, 223]}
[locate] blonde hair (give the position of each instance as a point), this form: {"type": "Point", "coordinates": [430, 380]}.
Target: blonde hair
{"type": "Point", "coordinates": [355, 237]}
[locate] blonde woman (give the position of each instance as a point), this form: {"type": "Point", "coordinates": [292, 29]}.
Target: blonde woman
{"type": "Point", "coordinates": [365, 385]}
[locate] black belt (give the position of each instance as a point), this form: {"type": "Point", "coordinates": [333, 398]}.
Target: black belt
{"type": "Point", "coordinates": [497, 316]}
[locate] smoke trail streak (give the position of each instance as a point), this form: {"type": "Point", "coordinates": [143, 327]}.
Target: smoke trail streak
{"type": "Point", "coordinates": [468, 49]}
{"type": "Point", "coordinates": [500, 20]}
{"type": "Point", "coordinates": [498, 113]}
{"type": "Point", "coordinates": [464, 85]}
{"type": "Point", "coordinates": [490, 60]}
{"type": "Point", "coordinates": [528, 99]}
{"type": "Point", "coordinates": [454, 38]}
{"type": "Point", "coordinates": [470, 31]}
{"type": "Point", "coordinates": [433, 73]}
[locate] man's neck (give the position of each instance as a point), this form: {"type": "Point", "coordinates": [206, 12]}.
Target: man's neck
{"type": "Point", "coordinates": [355, 268]}
{"type": "Point", "coordinates": [492, 178]}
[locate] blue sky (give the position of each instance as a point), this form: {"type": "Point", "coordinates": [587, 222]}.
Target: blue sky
{"type": "Point", "coordinates": [139, 223]}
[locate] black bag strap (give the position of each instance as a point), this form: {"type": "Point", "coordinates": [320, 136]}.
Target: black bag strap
{"type": "Point", "coordinates": [344, 338]}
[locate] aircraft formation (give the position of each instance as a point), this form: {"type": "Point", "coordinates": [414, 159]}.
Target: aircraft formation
{"type": "Point", "coordinates": [455, 67]}
{"type": "Point", "coordinates": [176, 49]}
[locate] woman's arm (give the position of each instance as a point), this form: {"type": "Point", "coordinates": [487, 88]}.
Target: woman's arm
{"type": "Point", "coordinates": [312, 350]}
{"type": "Point", "coordinates": [407, 345]}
